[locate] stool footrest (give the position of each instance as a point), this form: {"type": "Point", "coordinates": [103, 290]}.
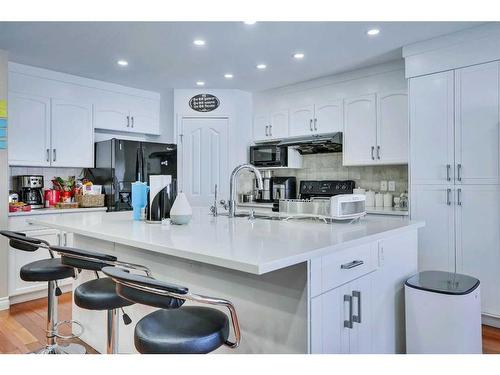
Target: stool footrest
{"type": "Point", "coordinates": [68, 322]}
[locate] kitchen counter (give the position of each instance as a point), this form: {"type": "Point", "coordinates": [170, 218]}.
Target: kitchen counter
{"type": "Point", "coordinates": [256, 247]}
{"type": "Point", "coordinates": [52, 211]}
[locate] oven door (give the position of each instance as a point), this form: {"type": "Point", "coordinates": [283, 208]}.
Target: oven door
{"type": "Point", "coordinates": [268, 156]}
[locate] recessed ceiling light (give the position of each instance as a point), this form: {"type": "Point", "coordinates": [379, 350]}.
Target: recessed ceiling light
{"type": "Point", "coordinates": [373, 32]}
{"type": "Point", "coordinates": [228, 75]}
{"type": "Point", "coordinates": [122, 62]}
{"type": "Point", "coordinates": [199, 42]}
{"type": "Point", "coordinates": [261, 66]}
{"type": "Point", "coordinates": [200, 83]}
{"type": "Point", "coordinates": [249, 22]}
{"type": "Point", "coordinates": [298, 55]}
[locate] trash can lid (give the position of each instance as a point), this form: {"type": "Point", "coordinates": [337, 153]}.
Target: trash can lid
{"type": "Point", "coordinates": [443, 282]}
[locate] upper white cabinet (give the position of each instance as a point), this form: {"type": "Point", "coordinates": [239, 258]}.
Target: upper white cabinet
{"type": "Point", "coordinates": [271, 126]}
{"type": "Point", "coordinates": [376, 129]}
{"type": "Point", "coordinates": [29, 130]}
{"type": "Point", "coordinates": [320, 118]}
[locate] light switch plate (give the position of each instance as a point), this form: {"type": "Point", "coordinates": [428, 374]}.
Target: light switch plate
{"type": "Point", "coordinates": [383, 185]}
{"type": "Point", "coordinates": [392, 186]}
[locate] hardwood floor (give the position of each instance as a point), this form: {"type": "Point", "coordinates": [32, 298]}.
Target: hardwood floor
{"type": "Point", "coordinates": [22, 327]}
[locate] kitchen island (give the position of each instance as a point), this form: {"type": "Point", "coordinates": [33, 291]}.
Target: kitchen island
{"type": "Point", "coordinates": [289, 281]}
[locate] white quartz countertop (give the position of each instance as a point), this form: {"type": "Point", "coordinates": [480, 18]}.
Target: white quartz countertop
{"type": "Point", "coordinates": [51, 211]}
{"type": "Point", "coordinates": [257, 247]}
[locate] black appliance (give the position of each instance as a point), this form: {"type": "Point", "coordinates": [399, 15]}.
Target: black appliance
{"type": "Point", "coordinates": [268, 155]}
{"type": "Point", "coordinates": [119, 163]}
{"type": "Point", "coordinates": [30, 190]}
{"type": "Point", "coordinates": [161, 196]}
{"type": "Point", "coordinates": [315, 143]}
{"type": "Point", "coordinates": [283, 188]}
{"type": "Point", "coordinates": [325, 188]}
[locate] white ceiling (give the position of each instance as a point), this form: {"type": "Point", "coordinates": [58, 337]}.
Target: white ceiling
{"type": "Point", "coordinates": [161, 55]}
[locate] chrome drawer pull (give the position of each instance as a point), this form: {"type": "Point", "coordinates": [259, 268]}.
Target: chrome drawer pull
{"type": "Point", "coordinates": [448, 167]}
{"type": "Point", "coordinates": [348, 323]}
{"type": "Point", "coordinates": [354, 263]}
{"type": "Point", "coordinates": [357, 318]}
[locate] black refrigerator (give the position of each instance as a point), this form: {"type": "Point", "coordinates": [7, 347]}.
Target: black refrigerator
{"type": "Point", "coordinates": [119, 163]}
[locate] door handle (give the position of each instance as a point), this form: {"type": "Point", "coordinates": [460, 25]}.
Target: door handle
{"type": "Point", "coordinates": [448, 168]}
{"type": "Point", "coordinates": [315, 124]}
{"type": "Point", "coordinates": [348, 323]}
{"type": "Point", "coordinates": [128, 121]}
{"type": "Point", "coordinates": [65, 236]}
{"type": "Point", "coordinates": [459, 172]}
{"type": "Point", "coordinates": [311, 124]}
{"type": "Point", "coordinates": [54, 155]}
{"type": "Point", "coordinates": [459, 197]}
{"type": "Point", "coordinates": [354, 263]}
{"type": "Point", "coordinates": [448, 201]}
{"type": "Point", "coordinates": [373, 148]}
{"type": "Point", "coordinates": [267, 134]}
{"type": "Point", "coordinates": [132, 118]}
{"type": "Point", "coordinates": [48, 155]}
{"type": "Point", "coordinates": [357, 318]}
{"type": "Point", "coordinates": [378, 152]}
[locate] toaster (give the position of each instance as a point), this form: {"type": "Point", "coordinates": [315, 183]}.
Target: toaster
{"type": "Point", "coordinates": [347, 206]}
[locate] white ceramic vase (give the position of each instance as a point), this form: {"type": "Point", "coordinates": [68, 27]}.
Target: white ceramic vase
{"type": "Point", "coordinates": [181, 211]}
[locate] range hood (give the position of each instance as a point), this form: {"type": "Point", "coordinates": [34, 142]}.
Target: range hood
{"type": "Point", "coordinates": [315, 144]}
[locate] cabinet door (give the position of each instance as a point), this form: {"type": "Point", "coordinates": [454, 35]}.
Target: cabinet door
{"type": "Point", "coordinates": [29, 130]}
{"type": "Point", "coordinates": [360, 336]}
{"type": "Point", "coordinates": [261, 127]}
{"type": "Point", "coordinates": [431, 129]}
{"type": "Point", "coordinates": [72, 134]}
{"type": "Point", "coordinates": [436, 241]}
{"type": "Point", "coordinates": [279, 124]}
{"type": "Point", "coordinates": [478, 240]}
{"type": "Point", "coordinates": [329, 117]}
{"type": "Point", "coordinates": [144, 116]}
{"type": "Point", "coordinates": [111, 112]}
{"type": "Point", "coordinates": [392, 127]}
{"type": "Point", "coordinates": [477, 135]}
{"type": "Point", "coordinates": [360, 130]}
{"type": "Point", "coordinates": [301, 120]}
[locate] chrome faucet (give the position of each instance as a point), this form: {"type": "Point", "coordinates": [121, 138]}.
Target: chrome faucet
{"type": "Point", "coordinates": [232, 185]}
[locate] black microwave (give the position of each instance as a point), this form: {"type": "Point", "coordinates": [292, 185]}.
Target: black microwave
{"type": "Point", "coordinates": [269, 156]}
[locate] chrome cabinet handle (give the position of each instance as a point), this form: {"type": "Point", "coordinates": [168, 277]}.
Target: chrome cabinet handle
{"type": "Point", "coordinates": [459, 172]}
{"type": "Point", "coordinates": [48, 154]}
{"type": "Point", "coordinates": [315, 124]}
{"type": "Point", "coordinates": [54, 154]}
{"type": "Point", "coordinates": [459, 197]}
{"type": "Point", "coordinates": [311, 124]}
{"type": "Point", "coordinates": [65, 236]}
{"type": "Point", "coordinates": [132, 118]}
{"type": "Point", "coordinates": [271, 130]}
{"type": "Point", "coordinates": [448, 168]}
{"type": "Point", "coordinates": [354, 263]}
{"type": "Point", "coordinates": [59, 239]}
{"type": "Point", "coordinates": [267, 134]}
{"type": "Point", "coordinates": [378, 152]}
{"type": "Point", "coordinates": [348, 323]}
{"type": "Point", "coordinates": [448, 201]}
{"type": "Point", "coordinates": [373, 148]}
{"type": "Point", "coordinates": [357, 318]}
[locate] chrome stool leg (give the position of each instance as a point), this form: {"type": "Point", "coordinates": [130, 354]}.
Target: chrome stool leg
{"type": "Point", "coordinates": [112, 331]}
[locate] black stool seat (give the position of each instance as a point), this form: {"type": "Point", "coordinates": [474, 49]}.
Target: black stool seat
{"type": "Point", "coordinates": [187, 330]}
{"type": "Point", "coordinates": [46, 270]}
{"type": "Point", "coordinates": [99, 294]}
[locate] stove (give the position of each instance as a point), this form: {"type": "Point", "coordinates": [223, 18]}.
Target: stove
{"type": "Point", "coordinates": [325, 188]}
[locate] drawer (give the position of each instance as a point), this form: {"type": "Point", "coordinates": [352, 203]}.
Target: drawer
{"type": "Point", "coordinates": [330, 271]}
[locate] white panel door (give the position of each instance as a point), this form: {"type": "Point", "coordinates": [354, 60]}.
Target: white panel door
{"type": "Point", "coordinates": [434, 204]}
{"type": "Point", "coordinates": [392, 127]}
{"type": "Point", "coordinates": [477, 135]}
{"type": "Point", "coordinates": [204, 159]}
{"type": "Point", "coordinates": [301, 121]}
{"type": "Point", "coordinates": [478, 240]}
{"type": "Point", "coordinates": [360, 130]}
{"type": "Point", "coordinates": [29, 130]}
{"type": "Point", "coordinates": [144, 116]}
{"type": "Point", "coordinates": [261, 127]}
{"type": "Point", "coordinates": [278, 127]}
{"type": "Point", "coordinates": [72, 134]}
{"type": "Point", "coordinates": [329, 116]}
{"type": "Point", "coordinates": [431, 129]}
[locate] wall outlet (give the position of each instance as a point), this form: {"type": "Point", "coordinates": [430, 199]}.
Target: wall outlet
{"type": "Point", "coordinates": [383, 185]}
{"type": "Point", "coordinates": [392, 186]}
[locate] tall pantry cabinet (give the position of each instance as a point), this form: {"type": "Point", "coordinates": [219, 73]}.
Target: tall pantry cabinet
{"type": "Point", "coordinates": [455, 173]}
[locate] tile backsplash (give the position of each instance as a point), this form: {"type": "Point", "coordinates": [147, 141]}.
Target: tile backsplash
{"type": "Point", "coordinates": [329, 167]}
{"type": "Point", "coordinates": [47, 173]}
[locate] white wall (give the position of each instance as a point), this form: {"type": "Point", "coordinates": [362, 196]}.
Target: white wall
{"type": "Point", "coordinates": [3, 192]}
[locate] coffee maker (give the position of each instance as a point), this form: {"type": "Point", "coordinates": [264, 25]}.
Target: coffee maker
{"type": "Point", "coordinates": [284, 188]}
{"type": "Point", "coordinates": [30, 190]}
{"type": "Point", "coordinates": [266, 194]}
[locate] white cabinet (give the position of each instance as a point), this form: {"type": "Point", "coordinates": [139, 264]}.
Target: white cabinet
{"type": "Point", "coordinates": [301, 121]}
{"type": "Point", "coordinates": [376, 129]}
{"type": "Point", "coordinates": [271, 126]}
{"type": "Point", "coordinates": [29, 130]}
{"type": "Point", "coordinates": [320, 118]}
{"type": "Point", "coordinates": [72, 134]}
{"type": "Point", "coordinates": [360, 130]}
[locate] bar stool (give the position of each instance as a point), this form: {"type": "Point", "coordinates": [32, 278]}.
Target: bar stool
{"type": "Point", "coordinates": [175, 329]}
{"type": "Point", "coordinates": [49, 270]}
{"type": "Point", "coordinates": [99, 294]}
